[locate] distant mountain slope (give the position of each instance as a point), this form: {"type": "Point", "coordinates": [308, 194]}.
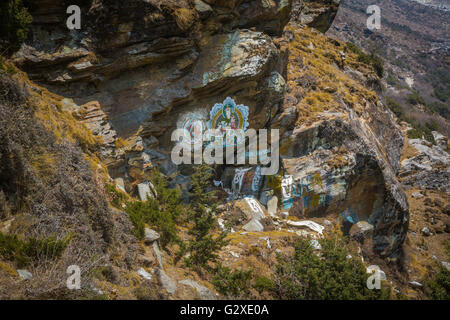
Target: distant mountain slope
{"type": "Point", "coordinates": [414, 41]}
{"type": "Point", "coordinates": [443, 5]}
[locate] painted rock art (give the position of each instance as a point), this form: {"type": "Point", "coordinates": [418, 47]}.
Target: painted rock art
{"type": "Point", "coordinates": [311, 191]}
{"type": "Point", "coordinates": [229, 116]}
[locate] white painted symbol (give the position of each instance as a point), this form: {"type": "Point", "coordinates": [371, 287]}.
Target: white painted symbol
{"type": "Point", "coordinates": [287, 184]}
{"type": "Point", "coordinates": [256, 208]}
{"type": "Point", "coordinates": [237, 180]}
{"type": "Point", "coordinates": [256, 179]}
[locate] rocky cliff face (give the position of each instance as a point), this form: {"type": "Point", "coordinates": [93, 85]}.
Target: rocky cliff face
{"type": "Point", "coordinates": [153, 62]}
{"type": "Point", "coordinates": [342, 149]}
{"type": "Point", "coordinates": [184, 47]}
{"type": "Point", "coordinates": [179, 57]}
{"type": "Point", "coordinates": [137, 68]}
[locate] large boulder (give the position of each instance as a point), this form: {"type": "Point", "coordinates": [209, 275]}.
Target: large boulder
{"type": "Point", "coordinates": [361, 230]}
{"type": "Point", "coordinates": [256, 216]}
{"type": "Point", "coordinates": [146, 190]}
{"type": "Point", "coordinates": [251, 208]}
{"type": "Point", "coordinates": [357, 176]}
{"type": "Point", "coordinates": [203, 292]}
{"type": "Point", "coordinates": [253, 226]}
{"type": "Point", "coordinates": [151, 235]}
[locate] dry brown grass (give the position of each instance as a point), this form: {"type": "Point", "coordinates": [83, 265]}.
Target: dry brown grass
{"type": "Point", "coordinates": [314, 74]}
{"type": "Point", "coordinates": [48, 109]}
{"type": "Point", "coordinates": [408, 150]}
{"type": "Point", "coordinates": [181, 10]}
{"type": "Point", "coordinates": [44, 163]}
{"type": "Point", "coordinates": [8, 268]}
{"type": "Point", "coordinates": [185, 18]}
{"type": "Point", "coordinates": [419, 249]}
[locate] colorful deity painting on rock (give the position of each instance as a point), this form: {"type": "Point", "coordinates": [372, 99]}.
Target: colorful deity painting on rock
{"type": "Point", "coordinates": [224, 118]}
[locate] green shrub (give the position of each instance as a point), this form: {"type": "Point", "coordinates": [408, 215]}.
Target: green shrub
{"type": "Point", "coordinates": [331, 275]}
{"type": "Point", "coordinates": [25, 252]}
{"type": "Point", "coordinates": [395, 107]}
{"type": "Point", "coordinates": [14, 21]}
{"type": "Point", "coordinates": [233, 283]}
{"type": "Point", "coordinates": [264, 284]}
{"type": "Point", "coordinates": [116, 197]}
{"type": "Point", "coordinates": [425, 131]}
{"type": "Point", "coordinates": [440, 81]}
{"type": "Point", "coordinates": [370, 59]}
{"type": "Point", "coordinates": [415, 99]}
{"type": "Point", "coordinates": [162, 213]}
{"type": "Point", "coordinates": [439, 286]}
{"type": "Point", "coordinates": [439, 108]}
{"type": "Point", "coordinates": [378, 65]}
{"type": "Point", "coordinates": [353, 47]}
{"type": "Point", "coordinates": [414, 134]}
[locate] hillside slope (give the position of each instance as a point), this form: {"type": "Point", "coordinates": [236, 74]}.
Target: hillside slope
{"type": "Point", "coordinates": [86, 173]}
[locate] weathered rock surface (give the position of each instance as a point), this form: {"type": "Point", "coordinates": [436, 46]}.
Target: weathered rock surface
{"type": "Point", "coordinates": [203, 292]}
{"type": "Point", "coordinates": [256, 215]}
{"type": "Point", "coordinates": [179, 58]}
{"type": "Point", "coordinates": [25, 274]}
{"type": "Point", "coordinates": [151, 39]}
{"type": "Point", "coordinates": [374, 268]}
{"type": "Point", "coordinates": [242, 181]}
{"type": "Point", "coordinates": [146, 190]}
{"type": "Point", "coordinates": [154, 62]}
{"type": "Point", "coordinates": [150, 235]}
{"type": "Point", "coordinates": [440, 139]}
{"type": "Point", "coordinates": [165, 281]}
{"type": "Point", "coordinates": [182, 59]}
{"type": "Point", "coordinates": [318, 14]}
{"type": "Point", "coordinates": [361, 230]}
{"type": "Point", "coordinates": [272, 206]}
{"type": "Point", "coordinates": [339, 156]}
{"type": "Point", "coordinates": [308, 224]}
{"type": "Point", "coordinates": [144, 274]}
{"type": "Point", "coordinates": [428, 169]}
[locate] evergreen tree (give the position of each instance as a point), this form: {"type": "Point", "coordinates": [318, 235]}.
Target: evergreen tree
{"type": "Point", "coordinates": [14, 21]}
{"type": "Point", "coordinates": [330, 275]}
{"type": "Point", "coordinates": [162, 213]}
{"type": "Point", "coordinates": [204, 246]}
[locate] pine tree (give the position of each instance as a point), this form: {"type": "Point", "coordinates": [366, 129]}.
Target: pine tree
{"type": "Point", "coordinates": [204, 246]}
{"type": "Point", "coordinates": [14, 21]}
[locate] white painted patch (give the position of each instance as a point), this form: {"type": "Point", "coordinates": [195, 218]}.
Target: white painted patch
{"type": "Point", "coordinates": [409, 81]}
